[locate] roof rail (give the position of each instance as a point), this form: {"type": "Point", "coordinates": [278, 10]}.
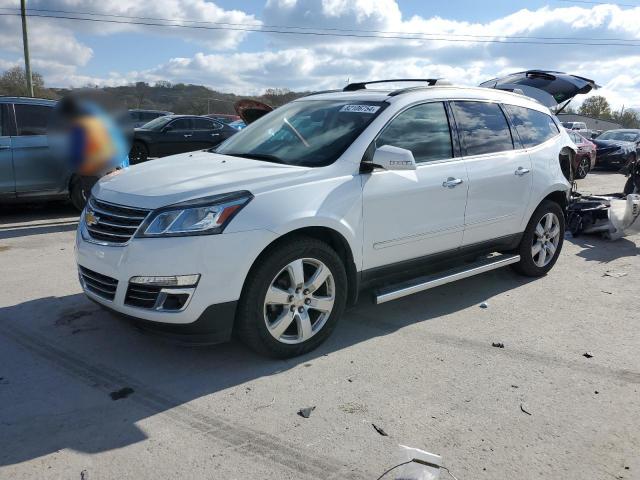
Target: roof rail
{"type": "Point", "coordinates": [319, 92]}
{"type": "Point", "coordinates": [363, 85]}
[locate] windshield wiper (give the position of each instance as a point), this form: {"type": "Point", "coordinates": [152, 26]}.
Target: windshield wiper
{"type": "Point", "coordinates": [258, 156]}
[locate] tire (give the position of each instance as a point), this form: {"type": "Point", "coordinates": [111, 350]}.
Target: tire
{"type": "Point", "coordinates": [78, 194]}
{"type": "Point", "coordinates": [139, 153]}
{"type": "Point", "coordinates": [261, 321]}
{"type": "Point", "coordinates": [533, 265]}
{"type": "Point", "coordinates": [584, 167]}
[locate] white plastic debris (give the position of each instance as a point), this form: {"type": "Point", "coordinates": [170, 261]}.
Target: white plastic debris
{"type": "Point", "coordinates": [426, 467]}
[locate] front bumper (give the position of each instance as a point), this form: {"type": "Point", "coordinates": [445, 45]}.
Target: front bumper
{"type": "Point", "coordinates": [223, 262]}
{"type": "Point", "coordinates": [613, 159]}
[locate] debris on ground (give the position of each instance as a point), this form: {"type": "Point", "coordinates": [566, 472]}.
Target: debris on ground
{"type": "Point", "coordinates": [614, 274]}
{"type": "Point", "coordinates": [306, 412]}
{"type": "Point", "coordinates": [260, 407]}
{"type": "Point", "coordinates": [497, 344]}
{"type": "Point", "coordinates": [587, 355]}
{"type": "Point", "coordinates": [523, 410]}
{"type": "Point", "coordinates": [596, 392]}
{"type": "Point", "coordinates": [379, 430]}
{"type": "Point", "coordinates": [515, 386]}
{"type": "Point", "coordinates": [122, 393]}
{"type": "Point", "coordinates": [608, 293]}
{"type": "Point", "coordinates": [484, 305]}
{"type": "Point", "coordinates": [353, 407]}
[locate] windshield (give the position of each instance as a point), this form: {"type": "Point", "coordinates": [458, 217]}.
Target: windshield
{"type": "Point", "coordinates": [620, 135]}
{"type": "Point", "coordinates": [311, 133]}
{"type": "Point", "coordinates": [156, 123]}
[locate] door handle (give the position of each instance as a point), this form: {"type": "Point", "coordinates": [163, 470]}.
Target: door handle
{"type": "Point", "coordinates": [522, 171]}
{"type": "Point", "coordinates": [451, 182]}
{"type": "Point", "coordinates": [188, 135]}
{"type": "Point", "coordinates": [215, 134]}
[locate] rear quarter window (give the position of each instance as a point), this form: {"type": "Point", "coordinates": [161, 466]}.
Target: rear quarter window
{"type": "Point", "coordinates": [533, 127]}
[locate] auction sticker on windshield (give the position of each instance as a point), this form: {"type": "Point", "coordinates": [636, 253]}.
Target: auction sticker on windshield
{"type": "Point", "coordinates": [360, 108]}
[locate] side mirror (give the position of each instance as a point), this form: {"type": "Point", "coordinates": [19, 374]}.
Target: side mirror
{"type": "Point", "coordinates": [594, 135]}
{"type": "Point", "coordinates": [393, 158]}
{"type": "Point", "coordinates": [167, 129]}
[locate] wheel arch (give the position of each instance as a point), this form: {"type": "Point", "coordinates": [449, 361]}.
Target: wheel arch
{"type": "Point", "coordinates": [331, 237]}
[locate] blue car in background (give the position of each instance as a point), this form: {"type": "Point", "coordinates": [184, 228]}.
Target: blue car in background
{"type": "Point", "coordinates": [28, 170]}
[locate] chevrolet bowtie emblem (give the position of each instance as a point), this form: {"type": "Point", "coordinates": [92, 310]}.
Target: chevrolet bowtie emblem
{"type": "Point", "coordinates": [90, 218]}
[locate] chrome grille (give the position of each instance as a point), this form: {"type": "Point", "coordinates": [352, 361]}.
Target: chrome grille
{"type": "Point", "coordinates": [98, 284]}
{"type": "Point", "coordinates": [113, 223]}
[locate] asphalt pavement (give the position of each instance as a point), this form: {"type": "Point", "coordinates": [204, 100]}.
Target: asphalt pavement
{"type": "Point", "coordinates": [84, 395]}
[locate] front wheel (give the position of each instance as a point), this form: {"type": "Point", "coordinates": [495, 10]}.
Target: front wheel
{"type": "Point", "coordinates": [542, 240]}
{"type": "Point", "coordinates": [292, 298]}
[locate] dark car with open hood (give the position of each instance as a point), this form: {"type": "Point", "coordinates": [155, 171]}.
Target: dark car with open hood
{"type": "Point", "coordinates": [617, 148]}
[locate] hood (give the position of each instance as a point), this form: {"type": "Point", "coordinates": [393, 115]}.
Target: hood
{"type": "Point", "coordinates": [601, 144]}
{"type": "Point", "coordinates": [188, 176]}
{"type": "Point", "coordinates": [251, 110]}
{"type": "Point", "coordinates": [548, 87]}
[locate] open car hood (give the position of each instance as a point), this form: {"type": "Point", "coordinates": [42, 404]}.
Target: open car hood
{"type": "Point", "coordinates": [251, 110]}
{"type": "Point", "coordinates": [548, 87]}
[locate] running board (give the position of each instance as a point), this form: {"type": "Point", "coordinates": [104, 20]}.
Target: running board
{"type": "Point", "coordinates": [421, 284]}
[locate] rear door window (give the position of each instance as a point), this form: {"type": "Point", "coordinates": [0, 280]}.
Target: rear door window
{"type": "Point", "coordinates": [32, 119]}
{"type": "Point", "coordinates": [204, 124]}
{"type": "Point", "coordinates": [181, 124]}
{"type": "Point", "coordinates": [534, 127]}
{"type": "Point", "coordinates": [423, 129]}
{"type": "Point", "coordinates": [483, 127]}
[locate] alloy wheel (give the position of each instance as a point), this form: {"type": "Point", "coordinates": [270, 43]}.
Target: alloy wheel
{"type": "Point", "coordinates": [546, 239]}
{"type": "Point", "coordinates": [583, 168]}
{"type": "Point", "coordinates": [299, 301]}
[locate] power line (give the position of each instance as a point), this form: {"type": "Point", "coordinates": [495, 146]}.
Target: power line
{"type": "Point", "coordinates": [328, 34]}
{"type": "Point", "coordinates": [601, 3]}
{"type": "Point", "coordinates": [315, 30]}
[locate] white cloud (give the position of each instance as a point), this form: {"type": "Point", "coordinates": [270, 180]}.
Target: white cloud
{"type": "Point", "coordinates": [205, 13]}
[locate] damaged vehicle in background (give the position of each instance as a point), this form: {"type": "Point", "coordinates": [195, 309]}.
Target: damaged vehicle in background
{"type": "Point", "coordinates": [173, 134]}
{"type": "Point", "coordinates": [617, 148]}
{"type": "Point", "coordinates": [273, 234]}
{"type": "Point", "coordinates": [585, 159]}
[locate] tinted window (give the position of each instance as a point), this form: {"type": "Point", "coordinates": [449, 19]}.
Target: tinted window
{"type": "Point", "coordinates": [32, 119]}
{"type": "Point", "coordinates": [181, 124]}
{"type": "Point", "coordinates": [483, 127]}
{"type": "Point", "coordinates": [533, 127]}
{"type": "Point", "coordinates": [423, 129]}
{"type": "Point", "coordinates": [203, 124]}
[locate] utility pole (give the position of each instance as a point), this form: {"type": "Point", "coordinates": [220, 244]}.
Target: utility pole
{"type": "Point", "coordinates": [25, 42]}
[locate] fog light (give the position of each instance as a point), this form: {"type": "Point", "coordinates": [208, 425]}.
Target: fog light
{"type": "Point", "coordinates": [170, 281]}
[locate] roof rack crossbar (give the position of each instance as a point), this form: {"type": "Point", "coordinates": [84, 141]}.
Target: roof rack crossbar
{"type": "Point", "coordinates": [363, 85]}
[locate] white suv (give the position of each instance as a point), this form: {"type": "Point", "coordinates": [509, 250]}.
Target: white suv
{"type": "Point", "coordinates": [271, 235]}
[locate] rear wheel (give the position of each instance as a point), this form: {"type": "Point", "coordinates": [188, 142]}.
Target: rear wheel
{"type": "Point", "coordinates": [292, 298]}
{"type": "Point", "coordinates": [139, 153]}
{"type": "Point", "coordinates": [583, 168]}
{"type": "Point", "coordinates": [542, 240]}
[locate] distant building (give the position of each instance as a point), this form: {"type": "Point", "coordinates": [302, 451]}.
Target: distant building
{"type": "Point", "coordinates": [592, 123]}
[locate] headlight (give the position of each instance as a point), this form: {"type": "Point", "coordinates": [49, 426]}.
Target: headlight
{"type": "Point", "coordinates": [205, 216]}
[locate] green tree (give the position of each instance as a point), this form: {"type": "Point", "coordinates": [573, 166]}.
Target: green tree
{"type": "Point", "coordinates": [14, 82]}
{"type": "Point", "coordinates": [596, 106]}
{"type": "Point", "coordinates": [626, 118]}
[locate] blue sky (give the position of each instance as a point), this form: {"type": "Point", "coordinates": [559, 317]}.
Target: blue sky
{"type": "Point", "coordinates": [74, 53]}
